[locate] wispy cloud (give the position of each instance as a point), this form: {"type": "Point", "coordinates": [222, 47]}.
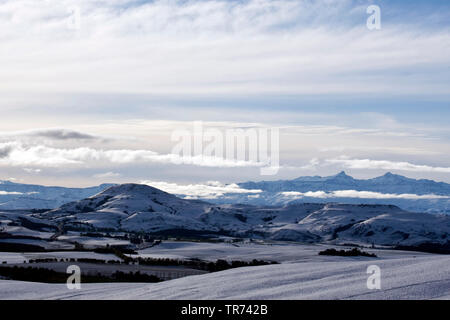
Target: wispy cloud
{"type": "Point", "coordinates": [216, 47]}
{"type": "Point", "coordinates": [51, 134]}
{"type": "Point", "coordinates": [32, 170]}
{"type": "Point", "coordinates": [208, 190]}
{"type": "Point", "coordinates": [107, 175]}
{"type": "Point", "coordinates": [61, 134]}
{"type": "Point", "coordinates": [7, 193]}
{"type": "Point", "coordinates": [385, 165]}
{"type": "Point", "coordinates": [358, 194]}
{"type": "Point", "coordinates": [14, 193]}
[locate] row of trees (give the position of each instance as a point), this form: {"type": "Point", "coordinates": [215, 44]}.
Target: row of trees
{"type": "Point", "coordinates": [33, 274]}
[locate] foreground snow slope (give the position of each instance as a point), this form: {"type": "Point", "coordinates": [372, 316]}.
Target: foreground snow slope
{"type": "Point", "coordinates": [278, 251]}
{"type": "Point", "coordinates": [421, 277]}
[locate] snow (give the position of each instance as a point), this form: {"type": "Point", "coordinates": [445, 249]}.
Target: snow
{"type": "Point", "coordinates": [21, 231]}
{"type": "Point", "coordinates": [302, 274]}
{"type": "Point", "coordinates": [276, 251]}
{"type": "Point", "coordinates": [27, 196]}
{"type": "Point", "coordinates": [141, 208]}
{"type": "Point", "coordinates": [16, 257]}
{"type": "Point", "coordinates": [49, 245]}
{"type": "Point", "coordinates": [409, 194]}
{"type": "Point", "coordinates": [93, 242]}
{"type": "Point", "coordinates": [420, 277]}
{"type": "Point", "coordinates": [23, 196]}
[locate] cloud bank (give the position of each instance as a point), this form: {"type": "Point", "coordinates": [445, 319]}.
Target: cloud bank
{"type": "Point", "coordinates": [217, 47]}
{"type": "Point", "coordinates": [209, 190]}
{"type": "Point", "coordinates": [385, 165]}
{"type": "Point", "coordinates": [359, 194]}
{"type": "Point", "coordinates": [19, 154]}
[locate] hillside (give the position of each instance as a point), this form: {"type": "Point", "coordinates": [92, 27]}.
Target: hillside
{"type": "Point", "coordinates": [403, 277]}
{"type": "Point", "coordinates": [141, 208]}
{"type": "Point", "coordinates": [15, 196]}
{"type": "Point", "coordinates": [409, 194]}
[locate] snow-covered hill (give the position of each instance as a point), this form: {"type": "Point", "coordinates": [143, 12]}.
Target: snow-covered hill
{"type": "Point", "coordinates": [27, 196]}
{"type": "Point", "coordinates": [409, 194]}
{"type": "Point", "coordinates": [141, 208]}
{"type": "Point", "coordinates": [388, 183]}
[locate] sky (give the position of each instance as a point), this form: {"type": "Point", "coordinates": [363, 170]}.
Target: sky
{"type": "Point", "coordinates": [94, 91]}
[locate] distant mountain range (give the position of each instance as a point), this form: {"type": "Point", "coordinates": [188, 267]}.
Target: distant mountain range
{"type": "Point", "coordinates": [388, 183]}
{"type": "Point", "coordinates": [390, 189]}
{"type": "Point", "coordinates": [409, 194]}
{"type": "Point", "coordinates": [141, 208]}
{"type": "Point", "coordinates": [28, 196]}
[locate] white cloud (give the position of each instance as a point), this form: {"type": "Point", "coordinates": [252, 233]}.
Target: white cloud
{"type": "Point", "coordinates": [359, 194]}
{"type": "Point", "coordinates": [107, 175]}
{"type": "Point", "coordinates": [6, 193]}
{"type": "Point", "coordinates": [31, 170]}
{"type": "Point", "coordinates": [210, 189]}
{"type": "Point", "coordinates": [14, 193]}
{"type": "Point", "coordinates": [385, 165]}
{"type": "Point", "coordinates": [50, 133]}
{"type": "Point", "coordinates": [218, 47]}
{"type": "Point", "coordinates": [18, 154]}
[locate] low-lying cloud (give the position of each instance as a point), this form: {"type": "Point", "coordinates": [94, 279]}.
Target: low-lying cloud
{"type": "Point", "coordinates": [19, 154]}
{"type": "Point", "coordinates": [51, 134]}
{"type": "Point", "coordinates": [385, 165]}
{"type": "Point", "coordinates": [62, 134]}
{"type": "Point", "coordinates": [208, 190]}
{"type": "Point", "coordinates": [14, 193]}
{"type": "Point", "coordinates": [359, 195]}
{"type": "Point", "coordinates": [107, 175]}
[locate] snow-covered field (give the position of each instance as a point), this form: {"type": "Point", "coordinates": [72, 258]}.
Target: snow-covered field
{"type": "Point", "coordinates": [302, 275]}
{"type": "Point", "coordinates": [19, 257]}
{"type": "Point", "coordinates": [268, 251]}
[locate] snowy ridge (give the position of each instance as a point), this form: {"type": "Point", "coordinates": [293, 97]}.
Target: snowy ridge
{"type": "Point", "coordinates": [409, 194]}
{"type": "Point", "coordinates": [141, 208]}
{"type": "Point", "coordinates": [15, 196]}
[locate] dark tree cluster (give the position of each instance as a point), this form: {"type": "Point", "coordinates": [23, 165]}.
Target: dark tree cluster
{"type": "Point", "coordinates": [44, 275]}
{"type": "Point", "coordinates": [355, 252]}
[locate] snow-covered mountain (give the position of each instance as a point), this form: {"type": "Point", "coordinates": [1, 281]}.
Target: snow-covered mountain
{"type": "Point", "coordinates": [141, 208]}
{"type": "Point", "coordinates": [28, 196]}
{"type": "Point", "coordinates": [409, 194]}
{"type": "Point", "coordinates": [388, 183]}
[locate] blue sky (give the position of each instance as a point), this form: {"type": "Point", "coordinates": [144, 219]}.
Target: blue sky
{"type": "Point", "coordinates": [127, 74]}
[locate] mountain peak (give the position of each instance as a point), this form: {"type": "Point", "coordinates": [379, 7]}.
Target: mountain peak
{"type": "Point", "coordinates": [341, 176]}
{"type": "Point", "coordinates": [133, 188]}
{"type": "Point", "coordinates": [6, 182]}
{"type": "Point", "coordinates": [126, 198]}
{"type": "Point", "coordinates": [392, 176]}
